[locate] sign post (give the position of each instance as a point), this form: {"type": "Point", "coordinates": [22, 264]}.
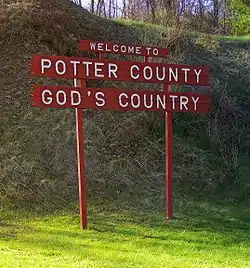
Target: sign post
{"type": "Point", "coordinates": [81, 97]}
{"type": "Point", "coordinates": [168, 157]}
{"type": "Point", "coordinates": [80, 160]}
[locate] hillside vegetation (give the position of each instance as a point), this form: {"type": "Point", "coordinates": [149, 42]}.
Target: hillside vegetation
{"type": "Point", "coordinates": [124, 151]}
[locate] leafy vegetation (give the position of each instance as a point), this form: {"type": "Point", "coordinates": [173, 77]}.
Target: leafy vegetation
{"type": "Point", "coordinates": [240, 21]}
{"type": "Point", "coordinates": [213, 16]}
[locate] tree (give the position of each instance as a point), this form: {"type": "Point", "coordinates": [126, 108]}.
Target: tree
{"type": "Point", "coordinates": [101, 10]}
{"type": "Point", "coordinates": [240, 16]}
{"type": "Point", "coordinates": [202, 15]}
{"type": "Point", "coordinates": [152, 6]}
{"type": "Point", "coordinates": [216, 13]}
{"type": "Point", "coordinates": [92, 6]}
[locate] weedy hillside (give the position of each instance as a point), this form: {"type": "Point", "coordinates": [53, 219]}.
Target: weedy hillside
{"type": "Point", "coordinates": [124, 153]}
{"type": "Point", "coordinates": [124, 150]}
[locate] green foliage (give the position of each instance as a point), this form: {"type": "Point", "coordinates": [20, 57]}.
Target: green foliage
{"type": "Point", "coordinates": [208, 42]}
{"type": "Point", "coordinates": [240, 21]}
{"type": "Point", "coordinates": [202, 235]}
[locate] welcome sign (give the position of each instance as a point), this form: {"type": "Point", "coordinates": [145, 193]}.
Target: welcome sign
{"type": "Point", "coordinates": [82, 97]}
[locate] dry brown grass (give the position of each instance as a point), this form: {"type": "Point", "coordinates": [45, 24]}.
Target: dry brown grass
{"type": "Point", "coordinates": [38, 146]}
{"type": "Point", "coordinates": [124, 155]}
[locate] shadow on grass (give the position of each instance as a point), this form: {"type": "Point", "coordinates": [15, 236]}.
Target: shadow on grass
{"type": "Point", "coordinates": [125, 240]}
{"type": "Point", "coordinates": [197, 228]}
{"type": "Point", "coordinates": [113, 236]}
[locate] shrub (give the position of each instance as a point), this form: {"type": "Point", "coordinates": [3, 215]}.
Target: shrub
{"type": "Point", "coordinates": [240, 17]}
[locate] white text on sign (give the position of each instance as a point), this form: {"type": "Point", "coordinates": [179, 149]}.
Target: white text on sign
{"type": "Point", "coordinates": [66, 97]}
{"type": "Point", "coordinates": [65, 67]}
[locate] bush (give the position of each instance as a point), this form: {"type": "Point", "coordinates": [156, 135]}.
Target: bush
{"type": "Point", "coordinates": [240, 20]}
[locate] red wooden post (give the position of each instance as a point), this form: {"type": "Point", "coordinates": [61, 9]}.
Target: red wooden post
{"type": "Point", "coordinates": [101, 56]}
{"type": "Point", "coordinates": [80, 160]}
{"type": "Point", "coordinates": [168, 155]}
{"type": "Point", "coordinates": [168, 158]}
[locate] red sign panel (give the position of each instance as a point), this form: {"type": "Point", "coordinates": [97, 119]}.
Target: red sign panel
{"type": "Point", "coordinates": [118, 99]}
{"type": "Point", "coordinates": [85, 68]}
{"type": "Point", "coordinates": [109, 47]}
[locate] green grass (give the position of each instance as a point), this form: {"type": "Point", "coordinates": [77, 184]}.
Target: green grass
{"type": "Point", "coordinates": [151, 26]}
{"type": "Point", "coordinates": [141, 24]}
{"type": "Point", "coordinates": [201, 235]}
{"type": "Point", "coordinates": [237, 39]}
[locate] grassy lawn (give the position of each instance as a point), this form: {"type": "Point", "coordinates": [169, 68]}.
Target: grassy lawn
{"type": "Point", "coordinates": [199, 236]}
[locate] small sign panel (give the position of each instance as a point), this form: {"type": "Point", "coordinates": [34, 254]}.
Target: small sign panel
{"type": "Point", "coordinates": [136, 50]}
{"type": "Point", "coordinates": [95, 69]}
{"type": "Point", "coordinates": [118, 99]}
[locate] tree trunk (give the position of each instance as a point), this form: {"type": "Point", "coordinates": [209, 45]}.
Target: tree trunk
{"type": "Point", "coordinates": [216, 13]}
{"type": "Point", "coordinates": [92, 6]}
{"type": "Point", "coordinates": [124, 10]}
{"type": "Point", "coordinates": [110, 6]}
{"type": "Point", "coordinates": [201, 13]}
{"type": "Point", "coordinates": [152, 6]}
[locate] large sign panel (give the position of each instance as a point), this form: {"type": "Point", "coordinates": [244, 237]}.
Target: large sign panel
{"type": "Point", "coordinates": [118, 99]}
{"type": "Point", "coordinates": [88, 68]}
